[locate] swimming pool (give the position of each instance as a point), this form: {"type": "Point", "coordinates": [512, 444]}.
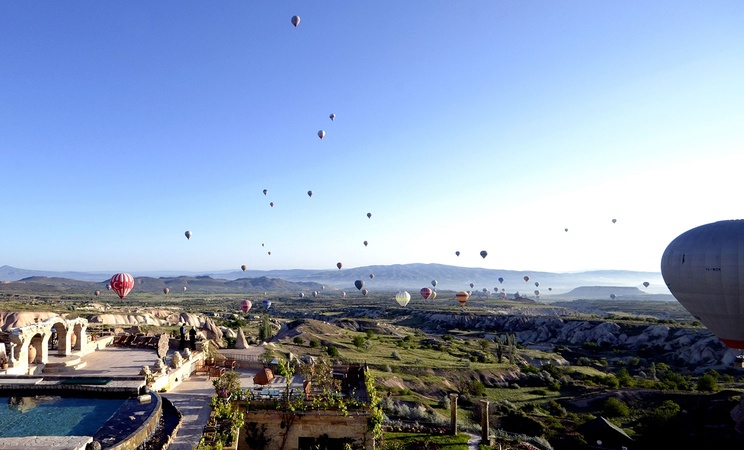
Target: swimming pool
{"type": "Point", "coordinates": [54, 416]}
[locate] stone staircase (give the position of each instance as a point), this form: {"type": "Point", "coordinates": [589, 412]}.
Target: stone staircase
{"type": "Point", "coordinates": [67, 364]}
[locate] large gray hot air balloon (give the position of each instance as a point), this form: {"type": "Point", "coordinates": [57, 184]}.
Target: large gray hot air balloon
{"type": "Point", "coordinates": [704, 270]}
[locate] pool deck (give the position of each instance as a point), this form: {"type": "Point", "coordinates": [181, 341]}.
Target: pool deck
{"type": "Point", "coordinates": [191, 396]}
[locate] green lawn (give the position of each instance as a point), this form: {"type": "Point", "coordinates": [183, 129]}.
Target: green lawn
{"type": "Point", "coordinates": [394, 440]}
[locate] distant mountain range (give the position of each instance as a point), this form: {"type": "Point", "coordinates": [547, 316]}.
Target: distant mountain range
{"type": "Point", "coordinates": [411, 277]}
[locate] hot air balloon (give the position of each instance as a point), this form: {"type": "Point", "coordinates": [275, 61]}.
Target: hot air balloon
{"type": "Point", "coordinates": [184, 289]}
{"type": "Point", "coordinates": [537, 292]}
{"type": "Point", "coordinates": [365, 292]}
{"type": "Point", "coordinates": [371, 276]}
{"type": "Point", "coordinates": [359, 284]}
{"type": "Point", "coordinates": [309, 193]}
{"type": "Point", "coordinates": [550, 289]}
{"type": "Point", "coordinates": [321, 134]}
{"type": "Point", "coordinates": [108, 286]}
{"type": "Point", "coordinates": [122, 283]}
{"type": "Point", "coordinates": [566, 230]}
{"type": "Point", "coordinates": [704, 268]}
{"type": "Point", "coordinates": [483, 254]}
{"type": "Point", "coordinates": [97, 293]}
{"type": "Point", "coordinates": [537, 284]}
{"type": "Point", "coordinates": [265, 191]}
{"type": "Point", "coordinates": [243, 267]}
{"type": "Point", "coordinates": [433, 283]}
{"type": "Point", "coordinates": [187, 234]}
{"type": "Point", "coordinates": [271, 204]}
{"type": "Point", "coordinates": [343, 294]}
{"type": "Point", "coordinates": [166, 291]}
{"type": "Point", "coordinates": [472, 285]}
{"type": "Point", "coordinates": [433, 295]}
{"type": "Point", "coordinates": [246, 305]}
{"type": "Point", "coordinates": [501, 280]}
{"type": "Point", "coordinates": [332, 117]}
{"type": "Point", "coordinates": [266, 304]}
{"type": "Point", "coordinates": [526, 278]}
{"type": "Point", "coordinates": [426, 293]}
{"type": "Point", "coordinates": [365, 243]}
{"type": "Point", "coordinates": [462, 297]}
{"type": "Point", "coordinates": [302, 295]}
{"type": "Point", "coordinates": [485, 290]}
{"type": "Point", "coordinates": [614, 220]}
{"type": "Point", "coordinates": [296, 20]}
{"type": "Point", "coordinates": [403, 298]}
{"type": "Point", "coordinates": [339, 265]}
{"type": "Point", "coordinates": [646, 284]}
{"type": "Point", "coordinates": [315, 294]}
{"type": "Point", "coordinates": [269, 253]}
{"type": "Point", "coordinates": [457, 253]}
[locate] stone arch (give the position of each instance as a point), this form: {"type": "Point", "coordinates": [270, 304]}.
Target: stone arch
{"type": "Point", "coordinates": [60, 330]}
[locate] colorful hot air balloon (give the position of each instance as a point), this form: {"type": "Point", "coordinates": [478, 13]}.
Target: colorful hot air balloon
{"type": "Point", "coordinates": [339, 265]}
{"type": "Point", "coordinates": [646, 284]}
{"type": "Point", "coordinates": [365, 292]}
{"type": "Point", "coordinates": [483, 254]}
{"type": "Point", "coordinates": [321, 134]}
{"type": "Point", "coordinates": [526, 278]}
{"type": "Point", "coordinates": [433, 283]}
{"type": "Point", "coordinates": [369, 215]}
{"type": "Point", "coordinates": [296, 21]}
{"type": "Point", "coordinates": [332, 117]}
{"type": "Point", "coordinates": [457, 253]}
{"type": "Point", "coordinates": [187, 234]}
{"type": "Point", "coordinates": [403, 298]}
{"type": "Point", "coordinates": [122, 283]}
{"type": "Point", "coordinates": [309, 193]}
{"type": "Point", "coordinates": [359, 284]}
{"type": "Point", "coordinates": [501, 280]}
{"type": "Point", "coordinates": [246, 305]}
{"type": "Point", "coordinates": [462, 297]}
{"type": "Point", "coordinates": [266, 304]}
{"type": "Point", "coordinates": [704, 269]}
{"type": "Point", "coordinates": [426, 293]}
{"type": "Point", "coordinates": [166, 291]}
{"type": "Point", "coordinates": [433, 295]}
{"type": "Point", "coordinates": [243, 267]}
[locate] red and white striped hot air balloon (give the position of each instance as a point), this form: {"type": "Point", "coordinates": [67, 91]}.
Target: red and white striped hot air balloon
{"type": "Point", "coordinates": [122, 283]}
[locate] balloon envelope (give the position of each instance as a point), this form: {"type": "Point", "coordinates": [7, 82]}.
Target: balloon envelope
{"type": "Point", "coordinates": [321, 134]}
{"type": "Point", "coordinates": [365, 243]}
{"type": "Point", "coordinates": [457, 253]}
{"type": "Point", "coordinates": [704, 269]}
{"type": "Point", "coordinates": [309, 193]}
{"type": "Point", "coordinates": [646, 284]}
{"type": "Point", "coordinates": [266, 304]}
{"type": "Point", "coordinates": [434, 283]}
{"type": "Point", "coordinates": [462, 297]}
{"type": "Point", "coordinates": [359, 284]}
{"type": "Point", "coordinates": [526, 278]}
{"type": "Point", "coordinates": [246, 305]}
{"type": "Point", "coordinates": [343, 294]}
{"type": "Point", "coordinates": [369, 215]}
{"type": "Point", "coordinates": [501, 280]}
{"type": "Point", "coordinates": [365, 292]}
{"type": "Point", "coordinates": [243, 267]}
{"type": "Point", "coordinates": [97, 293]}
{"type": "Point", "coordinates": [426, 293]}
{"type": "Point", "coordinates": [403, 298]}
{"type": "Point", "coordinates": [332, 117]}
{"type": "Point", "coordinates": [483, 254]}
{"type": "Point", "coordinates": [187, 234]}
{"type": "Point", "coordinates": [296, 21]}
{"type": "Point", "coordinates": [122, 283]}
{"type": "Point", "coordinates": [339, 265]}
{"type": "Point", "coordinates": [265, 191]}
{"type": "Point", "coordinates": [166, 291]}
{"type": "Point", "coordinates": [371, 276]}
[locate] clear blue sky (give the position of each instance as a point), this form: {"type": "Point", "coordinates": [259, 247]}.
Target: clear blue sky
{"type": "Point", "coordinates": [460, 126]}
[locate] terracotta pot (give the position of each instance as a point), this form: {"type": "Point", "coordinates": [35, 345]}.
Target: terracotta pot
{"type": "Point", "coordinates": [31, 354]}
{"type": "Point", "coordinates": [73, 341]}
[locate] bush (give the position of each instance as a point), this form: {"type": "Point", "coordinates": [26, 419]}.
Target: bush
{"type": "Point", "coordinates": [314, 343]}
{"type": "Point", "coordinates": [707, 383]}
{"type": "Point", "coordinates": [395, 356]}
{"type": "Point", "coordinates": [298, 340]}
{"type": "Point", "coordinates": [614, 407]}
{"type": "Point", "coordinates": [332, 351]}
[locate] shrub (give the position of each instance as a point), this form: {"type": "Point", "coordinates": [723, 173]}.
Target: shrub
{"type": "Point", "coordinates": [707, 383]}
{"type": "Point", "coordinates": [298, 340]}
{"type": "Point", "coordinates": [332, 351]}
{"type": "Point", "coordinates": [614, 407]}
{"type": "Point", "coordinates": [395, 356]}
{"type": "Point", "coordinates": [314, 343]}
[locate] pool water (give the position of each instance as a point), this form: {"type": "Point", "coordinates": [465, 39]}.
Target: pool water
{"type": "Point", "coordinates": [54, 416]}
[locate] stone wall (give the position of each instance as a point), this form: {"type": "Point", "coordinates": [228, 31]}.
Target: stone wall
{"type": "Point", "coordinates": [310, 424]}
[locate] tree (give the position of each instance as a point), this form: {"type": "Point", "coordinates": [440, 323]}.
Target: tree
{"type": "Point", "coordinates": [298, 340]}
{"type": "Point", "coordinates": [332, 351]}
{"type": "Point", "coordinates": [707, 383]}
{"type": "Point", "coordinates": [358, 342]}
{"type": "Point", "coordinates": [614, 407]}
{"type": "Point", "coordinates": [265, 331]}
